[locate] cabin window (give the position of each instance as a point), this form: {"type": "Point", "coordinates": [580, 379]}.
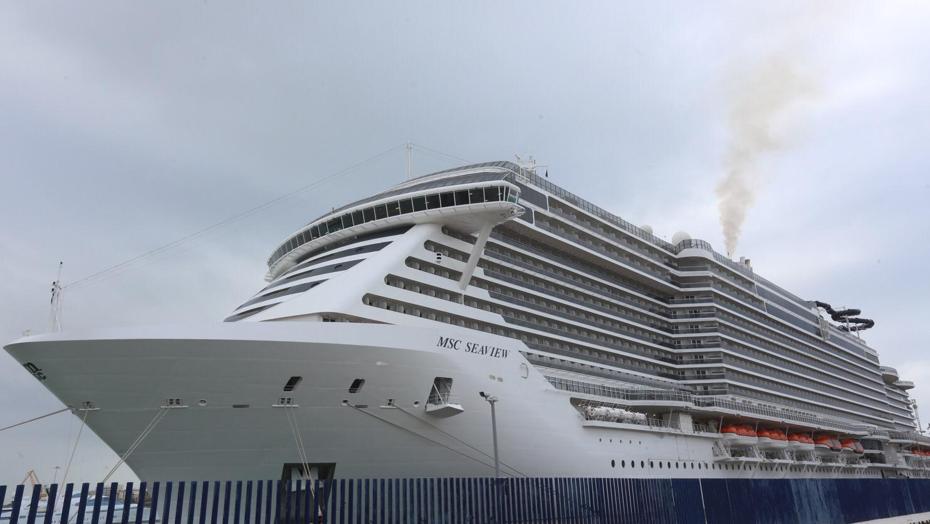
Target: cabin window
{"type": "Point", "coordinates": [440, 391]}
{"type": "Point", "coordinates": [356, 385]}
{"type": "Point", "coordinates": [292, 383]}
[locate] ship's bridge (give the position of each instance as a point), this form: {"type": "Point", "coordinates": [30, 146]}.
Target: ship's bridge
{"type": "Point", "coordinates": [467, 198]}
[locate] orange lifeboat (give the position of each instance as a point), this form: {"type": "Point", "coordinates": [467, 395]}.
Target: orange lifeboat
{"type": "Point", "coordinates": [823, 440]}
{"type": "Point", "coordinates": [848, 443]}
{"type": "Point", "coordinates": [730, 428]}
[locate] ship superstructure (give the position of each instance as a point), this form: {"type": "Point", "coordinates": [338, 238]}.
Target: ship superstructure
{"type": "Point", "coordinates": [613, 353]}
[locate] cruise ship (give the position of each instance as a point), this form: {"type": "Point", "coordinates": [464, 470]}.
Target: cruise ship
{"type": "Point", "coordinates": [483, 309]}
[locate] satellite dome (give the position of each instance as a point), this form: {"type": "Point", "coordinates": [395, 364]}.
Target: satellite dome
{"type": "Point", "coordinates": [647, 228]}
{"type": "Point", "coordinates": [680, 237]}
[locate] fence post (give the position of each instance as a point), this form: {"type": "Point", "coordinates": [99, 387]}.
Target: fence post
{"type": "Point", "coordinates": [33, 504]}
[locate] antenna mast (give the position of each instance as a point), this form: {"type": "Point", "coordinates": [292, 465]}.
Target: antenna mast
{"type": "Point", "coordinates": [409, 153]}
{"type": "Point", "coordinates": [55, 313]}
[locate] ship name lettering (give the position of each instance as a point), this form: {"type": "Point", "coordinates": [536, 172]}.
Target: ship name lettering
{"type": "Point", "coordinates": [472, 347]}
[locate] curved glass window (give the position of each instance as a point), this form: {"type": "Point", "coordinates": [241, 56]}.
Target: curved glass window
{"type": "Point", "coordinates": [398, 207]}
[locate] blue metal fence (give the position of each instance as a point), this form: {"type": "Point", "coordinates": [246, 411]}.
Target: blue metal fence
{"type": "Point", "coordinates": [467, 500]}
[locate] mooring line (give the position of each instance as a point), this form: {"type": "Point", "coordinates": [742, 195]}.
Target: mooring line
{"type": "Point", "coordinates": [36, 418]}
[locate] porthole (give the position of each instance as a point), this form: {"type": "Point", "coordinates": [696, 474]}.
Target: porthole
{"type": "Point", "coordinates": [613, 464]}
{"type": "Point", "coordinates": [676, 465]}
{"type": "Point", "coordinates": [642, 463]}
{"type": "Point", "coordinates": [622, 463]}
{"type": "Point", "coordinates": [668, 465]}
{"type": "Point", "coordinates": [692, 465]}
{"type": "Point", "coordinates": [650, 464]}
{"type": "Point", "coordinates": [633, 464]}
{"type": "Point", "coordinates": [660, 465]}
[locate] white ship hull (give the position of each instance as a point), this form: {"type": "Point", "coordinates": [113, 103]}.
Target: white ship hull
{"type": "Point", "coordinates": [128, 375]}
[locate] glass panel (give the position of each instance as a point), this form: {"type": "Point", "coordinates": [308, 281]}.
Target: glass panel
{"type": "Point", "coordinates": [461, 197]}
{"type": "Point", "coordinates": [393, 209]}
{"type": "Point", "coordinates": [447, 199]}
{"type": "Point", "coordinates": [357, 217]}
{"type": "Point", "coordinates": [334, 225]}
{"type": "Point", "coordinates": [432, 201]}
{"type": "Point", "coordinates": [347, 220]}
{"type": "Point", "coordinates": [369, 214]}
{"type": "Point", "coordinates": [419, 203]}
{"type": "Point", "coordinates": [381, 211]}
{"type": "Point", "coordinates": [476, 196]}
{"type": "Point", "coordinates": [406, 206]}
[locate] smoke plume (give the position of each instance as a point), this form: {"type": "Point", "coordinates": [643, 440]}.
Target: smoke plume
{"type": "Point", "coordinates": [756, 121]}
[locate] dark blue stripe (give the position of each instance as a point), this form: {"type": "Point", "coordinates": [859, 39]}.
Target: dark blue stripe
{"type": "Point", "coordinates": [111, 501]}
{"type": "Point", "coordinates": [127, 500]}
{"type": "Point", "coordinates": [50, 503]}
{"type": "Point", "coordinates": [140, 507]}
{"type": "Point", "coordinates": [153, 510]}
{"type": "Point", "coordinates": [248, 503]}
{"type": "Point", "coordinates": [167, 508]}
{"type": "Point", "coordinates": [192, 503]}
{"type": "Point", "coordinates": [17, 503]}
{"type": "Point", "coordinates": [98, 493]}
{"type": "Point", "coordinates": [179, 509]}
{"type": "Point", "coordinates": [204, 493]}
{"type": "Point", "coordinates": [34, 504]}
{"type": "Point", "coordinates": [238, 502]}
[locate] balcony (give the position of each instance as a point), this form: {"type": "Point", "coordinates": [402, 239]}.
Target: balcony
{"type": "Point", "coordinates": [889, 374]}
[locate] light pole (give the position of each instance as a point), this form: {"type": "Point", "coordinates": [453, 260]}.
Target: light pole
{"type": "Point", "coordinates": [493, 400]}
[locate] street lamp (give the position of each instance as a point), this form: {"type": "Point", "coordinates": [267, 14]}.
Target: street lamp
{"type": "Point", "coordinates": [493, 400]}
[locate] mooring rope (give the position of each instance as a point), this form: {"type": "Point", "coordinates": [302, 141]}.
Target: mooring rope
{"type": "Point", "coordinates": [64, 480]}
{"type": "Point", "coordinates": [460, 441]}
{"type": "Point", "coordinates": [36, 418]}
{"type": "Point", "coordinates": [132, 447]}
{"type": "Point", "coordinates": [295, 432]}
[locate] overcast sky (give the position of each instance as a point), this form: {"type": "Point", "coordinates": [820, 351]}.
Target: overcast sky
{"type": "Point", "coordinates": [126, 126]}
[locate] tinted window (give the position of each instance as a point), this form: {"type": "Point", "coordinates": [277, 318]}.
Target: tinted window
{"type": "Point", "coordinates": [393, 209]}
{"type": "Point", "coordinates": [432, 201]}
{"type": "Point", "coordinates": [492, 194]}
{"type": "Point", "coordinates": [419, 203]}
{"type": "Point", "coordinates": [249, 313]}
{"type": "Point", "coordinates": [283, 292]}
{"type": "Point", "coordinates": [369, 214]}
{"type": "Point", "coordinates": [381, 211]}
{"type": "Point", "coordinates": [476, 196]}
{"type": "Point", "coordinates": [447, 199]}
{"type": "Point", "coordinates": [406, 206]}
{"type": "Point", "coordinates": [357, 217]}
{"type": "Point", "coordinates": [461, 197]}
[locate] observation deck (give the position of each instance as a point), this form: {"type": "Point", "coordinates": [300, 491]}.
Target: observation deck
{"type": "Point", "coordinates": [467, 198]}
